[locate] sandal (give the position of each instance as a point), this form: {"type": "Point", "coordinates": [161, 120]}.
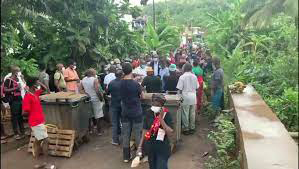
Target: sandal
{"type": "Point", "coordinates": [3, 137]}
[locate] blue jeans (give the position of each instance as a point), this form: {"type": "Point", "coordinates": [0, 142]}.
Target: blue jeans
{"type": "Point", "coordinates": [218, 99]}
{"type": "Point", "coordinates": [157, 160]}
{"type": "Point", "coordinates": [129, 125]}
{"type": "Point", "coordinates": [116, 115]}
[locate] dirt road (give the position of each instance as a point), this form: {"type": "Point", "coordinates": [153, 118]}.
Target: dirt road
{"type": "Point", "coordinates": [100, 154]}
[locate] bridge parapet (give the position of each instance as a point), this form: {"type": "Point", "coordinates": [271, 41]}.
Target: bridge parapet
{"type": "Point", "coordinates": [263, 140]}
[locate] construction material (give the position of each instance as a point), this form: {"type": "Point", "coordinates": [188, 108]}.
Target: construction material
{"type": "Point", "coordinates": [61, 142]}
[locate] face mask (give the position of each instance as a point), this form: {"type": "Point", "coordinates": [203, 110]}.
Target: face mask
{"type": "Point", "coordinates": [37, 87]}
{"type": "Point", "coordinates": [75, 67]}
{"type": "Point", "coordinates": [155, 109]}
{"type": "Point", "coordinates": [19, 74]}
{"type": "Point", "coordinates": [155, 59]}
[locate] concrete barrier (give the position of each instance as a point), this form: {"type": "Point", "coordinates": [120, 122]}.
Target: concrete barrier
{"type": "Point", "coordinates": [263, 140]}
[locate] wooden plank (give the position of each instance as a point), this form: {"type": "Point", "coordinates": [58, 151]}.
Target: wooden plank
{"type": "Point", "coordinates": [53, 141]}
{"type": "Point", "coordinates": [59, 144]}
{"type": "Point", "coordinates": [54, 131]}
{"type": "Point", "coordinates": [60, 136]}
{"type": "Point", "coordinates": [59, 153]}
{"type": "Point", "coordinates": [72, 145]}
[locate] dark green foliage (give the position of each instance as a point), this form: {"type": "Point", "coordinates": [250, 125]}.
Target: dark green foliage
{"type": "Point", "coordinates": [49, 31]}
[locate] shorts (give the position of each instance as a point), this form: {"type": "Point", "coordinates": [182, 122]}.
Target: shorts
{"type": "Point", "coordinates": [97, 109]}
{"type": "Point", "coordinates": [40, 131]}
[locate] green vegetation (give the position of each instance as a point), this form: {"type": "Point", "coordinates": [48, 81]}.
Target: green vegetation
{"type": "Point", "coordinates": [89, 31]}
{"type": "Point", "coordinates": [224, 139]}
{"type": "Point", "coordinates": [257, 41]}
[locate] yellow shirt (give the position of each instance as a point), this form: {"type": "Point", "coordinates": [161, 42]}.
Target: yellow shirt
{"type": "Point", "coordinates": [61, 82]}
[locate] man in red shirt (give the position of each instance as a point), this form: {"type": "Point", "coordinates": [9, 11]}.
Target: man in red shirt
{"type": "Point", "coordinates": [32, 107]}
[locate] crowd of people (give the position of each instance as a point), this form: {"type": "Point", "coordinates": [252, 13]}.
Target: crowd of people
{"type": "Point", "coordinates": [182, 72]}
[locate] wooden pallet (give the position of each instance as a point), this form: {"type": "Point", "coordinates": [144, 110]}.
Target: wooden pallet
{"type": "Point", "coordinates": [61, 142]}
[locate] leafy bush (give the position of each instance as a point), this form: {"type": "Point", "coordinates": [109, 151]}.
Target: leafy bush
{"type": "Point", "coordinates": [224, 140]}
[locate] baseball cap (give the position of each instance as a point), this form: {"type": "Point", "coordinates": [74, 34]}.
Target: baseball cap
{"type": "Point", "coordinates": [172, 67]}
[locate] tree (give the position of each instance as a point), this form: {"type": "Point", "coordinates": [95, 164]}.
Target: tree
{"type": "Point", "coordinates": [164, 40]}
{"type": "Point", "coordinates": [261, 12]}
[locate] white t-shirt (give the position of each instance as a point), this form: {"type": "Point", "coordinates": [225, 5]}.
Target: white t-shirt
{"type": "Point", "coordinates": [108, 78]}
{"type": "Point", "coordinates": [140, 71]}
{"type": "Point", "coordinates": [188, 84]}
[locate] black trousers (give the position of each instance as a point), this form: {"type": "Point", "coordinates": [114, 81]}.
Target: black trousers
{"type": "Point", "coordinates": [16, 115]}
{"type": "Point", "coordinates": [157, 160]}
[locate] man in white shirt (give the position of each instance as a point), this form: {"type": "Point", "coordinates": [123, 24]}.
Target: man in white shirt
{"type": "Point", "coordinates": [111, 76]}
{"type": "Point", "coordinates": [141, 69]}
{"type": "Point", "coordinates": [188, 85]}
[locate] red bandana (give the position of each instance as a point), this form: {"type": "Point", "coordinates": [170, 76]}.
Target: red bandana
{"type": "Point", "coordinates": [155, 126]}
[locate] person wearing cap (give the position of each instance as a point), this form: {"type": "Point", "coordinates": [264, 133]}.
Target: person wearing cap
{"type": "Point", "coordinates": [155, 64]}
{"type": "Point", "coordinates": [171, 81]}
{"type": "Point", "coordinates": [152, 84]}
{"type": "Point", "coordinates": [188, 85]}
{"type": "Point", "coordinates": [157, 129]}
{"type": "Point", "coordinates": [111, 76]}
